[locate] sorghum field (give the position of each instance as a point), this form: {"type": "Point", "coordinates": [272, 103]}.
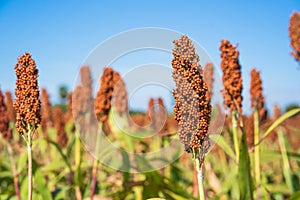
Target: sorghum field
{"type": "Point", "coordinates": [256, 156]}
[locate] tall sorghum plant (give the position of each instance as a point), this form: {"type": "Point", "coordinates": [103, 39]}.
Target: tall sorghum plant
{"type": "Point", "coordinates": [102, 107]}
{"type": "Point", "coordinates": [259, 114]}
{"type": "Point", "coordinates": [192, 108]}
{"type": "Point", "coordinates": [27, 106]}
{"type": "Point", "coordinates": [232, 81]}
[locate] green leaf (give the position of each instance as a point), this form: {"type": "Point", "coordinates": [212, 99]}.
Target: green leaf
{"type": "Point", "coordinates": [219, 139]}
{"type": "Point", "coordinates": [295, 196]}
{"type": "Point", "coordinates": [22, 163]}
{"type": "Point", "coordinates": [278, 122]}
{"type": "Point", "coordinates": [5, 174]}
{"type": "Point", "coordinates": [286, 166]}
{"type": "Point", "coordinates": [40, 185]}
{"type": "Point", "coordinates": [245, 179]}
{"type": "Point", "coordinates": [61, 153]}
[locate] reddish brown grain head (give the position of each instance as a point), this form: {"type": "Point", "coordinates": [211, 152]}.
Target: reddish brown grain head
{"type": "Point", "coordinates": [294, 33]}
{"type": "Point", "coordinates": [276, 112]}
{"type": "Point", "coordinates": [208, 75]}
{"type": "Point", "coordinates": [77, 103]}
{"type": "Point", "coordinates": [5, 130]}
{"type": "Point", "coordinates": [249, 127]}
{"type": "Point", "coordinates": [103, 99]}
{"type": "Point", "coordinates": [59, 124]}
{"type": "Point", "coordinates": [162, 115]}
{"type": "Point", "coordinates": [68, 115]}
{"type": "Point", "coordinates": [27, 103]}
{"type": "Point", "coordinates": [256, 94]}
{"type": "Point", "coordinates": [86, 83]}
{"type": "Point", "coordinates": [120, 99]}
{"type": "Point", "coordinates": [46, 111]}
{"type": "Point", "coordinates": [10, 108]}
{"type": "Point", "coordinates": [232, 77]}
{"type": "Point", "coordinates": [192, 108]}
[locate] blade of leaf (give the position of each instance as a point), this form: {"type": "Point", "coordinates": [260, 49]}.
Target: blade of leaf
{"type": "Point", "coordinates": [244, 173]}
{"type": "Point", "coordinates": [278, 122]}
{"type": "Point", "coordinates": [295, 196]}
{"type": "Point", "coordinates": [219, 139]}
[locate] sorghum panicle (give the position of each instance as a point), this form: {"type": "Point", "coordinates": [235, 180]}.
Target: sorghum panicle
{"type": "Point", "coordinates": [77, 101]}
{"type": "Point", "coordinates": [103, 99]}
{"type": "Point", "coordinates": [276, 112]}
{"type": "Point", "coordinates": [162, 116]}
{"type": "Point", "coordinates": [120, 99]}
{"type": "Point", "coordinates": [46, 111]}
{"type": "Point", "coordinates": [232, 76]}
{"type": "Point", "coordinates": [294, 33]}
{"type": "Point", "coordinates": [10, 108]}
{"type": "Point", "coordinates": [150, 115]}
{"type": "Point", "coordinates": [256, 94]}
{"type": "Point", "coordinates": [27, 103]}
{"type": "Point", "coordinates": [87, 91]}
{"type": "Point", "coordinates": [59, 125]}
{"type": "Point", "coordinates": [192, 108]}
{"type": "Point", "coordinates": [208, 75]}
{"type": "Point", "coordinates": [5, 130]}
{"type": "Point", "coordinates": [68, 115]}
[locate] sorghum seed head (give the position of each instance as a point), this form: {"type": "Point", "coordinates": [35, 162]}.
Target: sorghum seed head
{"type": "Point", "coordinates": [59, 125]}
{"type": "Point", "coordinates": [232, 77]}
{"type": "Point", "coordinates": [27, 103]}
{"type": "Point", "coordinates": [103, 99]}
{"type": "Point", "coordinates": [5, 130]}
{"type": "Point", "coordinates": [192, 108]}
{"type": "Point", "coordinates": [46, 111]}
{"type": "Point", "coordinates": [120, 99]}
{"type": "Point", "coordinates": [10, 108]}
{"type": "Point", "coordinates": [257, 98]}
{"type": "Point", "coordinates": [208, 75]}
{"type": "Point", "coordinates": [276, 112]}
{"type": "Point", "coordinates": [294, 33]}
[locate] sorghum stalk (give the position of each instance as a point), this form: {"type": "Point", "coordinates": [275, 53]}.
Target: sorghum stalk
{"type": "Point", "coordinates": [232, 81]}
{"type": "Point", "coordinates": [259, 113]}
{"type": "Point", "coordinates": [108, 81]}
{"type": "Point", "coordinates": [192, 107]}
{"type": "Point", "coordinates": [27, 105]}
{"type": "Point", "coordinates": [256, 147]}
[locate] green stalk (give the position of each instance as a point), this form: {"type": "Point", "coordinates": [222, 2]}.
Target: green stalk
{"type": "Point", "coordinates": [256, 148]}
{"type": "Point", "coordinates": [198, 159]}
{"type": "Point", "coordinates": [29, 152]}
{"type": "Point", "coordinates": [95, 165]}
{"type": "Point", "coordinates": [285, 160]}
{"type": "Point", "coordinates": [77, 167]}
{"type": "Point", "coordinates": [235, 134]}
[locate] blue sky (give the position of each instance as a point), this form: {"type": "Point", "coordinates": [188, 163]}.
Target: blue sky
{"type": "Point", "coordinates": [61, 34]}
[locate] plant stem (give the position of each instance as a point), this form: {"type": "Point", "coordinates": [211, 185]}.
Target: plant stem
{"type": "Point", "coordinates": [199, 170]}
{"type": "Point", "coordinates": [14, 169]}
{"type": "Point", "coordinates": [198, 157]}
{"type": "Point", "coordinates": [77, 167]}
{"type": "Point", "coordinates": [94, 178]}
{"type": "Point", "coordinates": [29, 152]}
{"type": "Point", "coordinates": [95, 163]}
{"type": "Point", "coordinates": [235, 134]}
{"type": "Point", "coordinates": [256, 148]}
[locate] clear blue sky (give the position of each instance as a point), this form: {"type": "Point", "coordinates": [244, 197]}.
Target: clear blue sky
{"type": "Point", "coordinates": [60, 34]}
